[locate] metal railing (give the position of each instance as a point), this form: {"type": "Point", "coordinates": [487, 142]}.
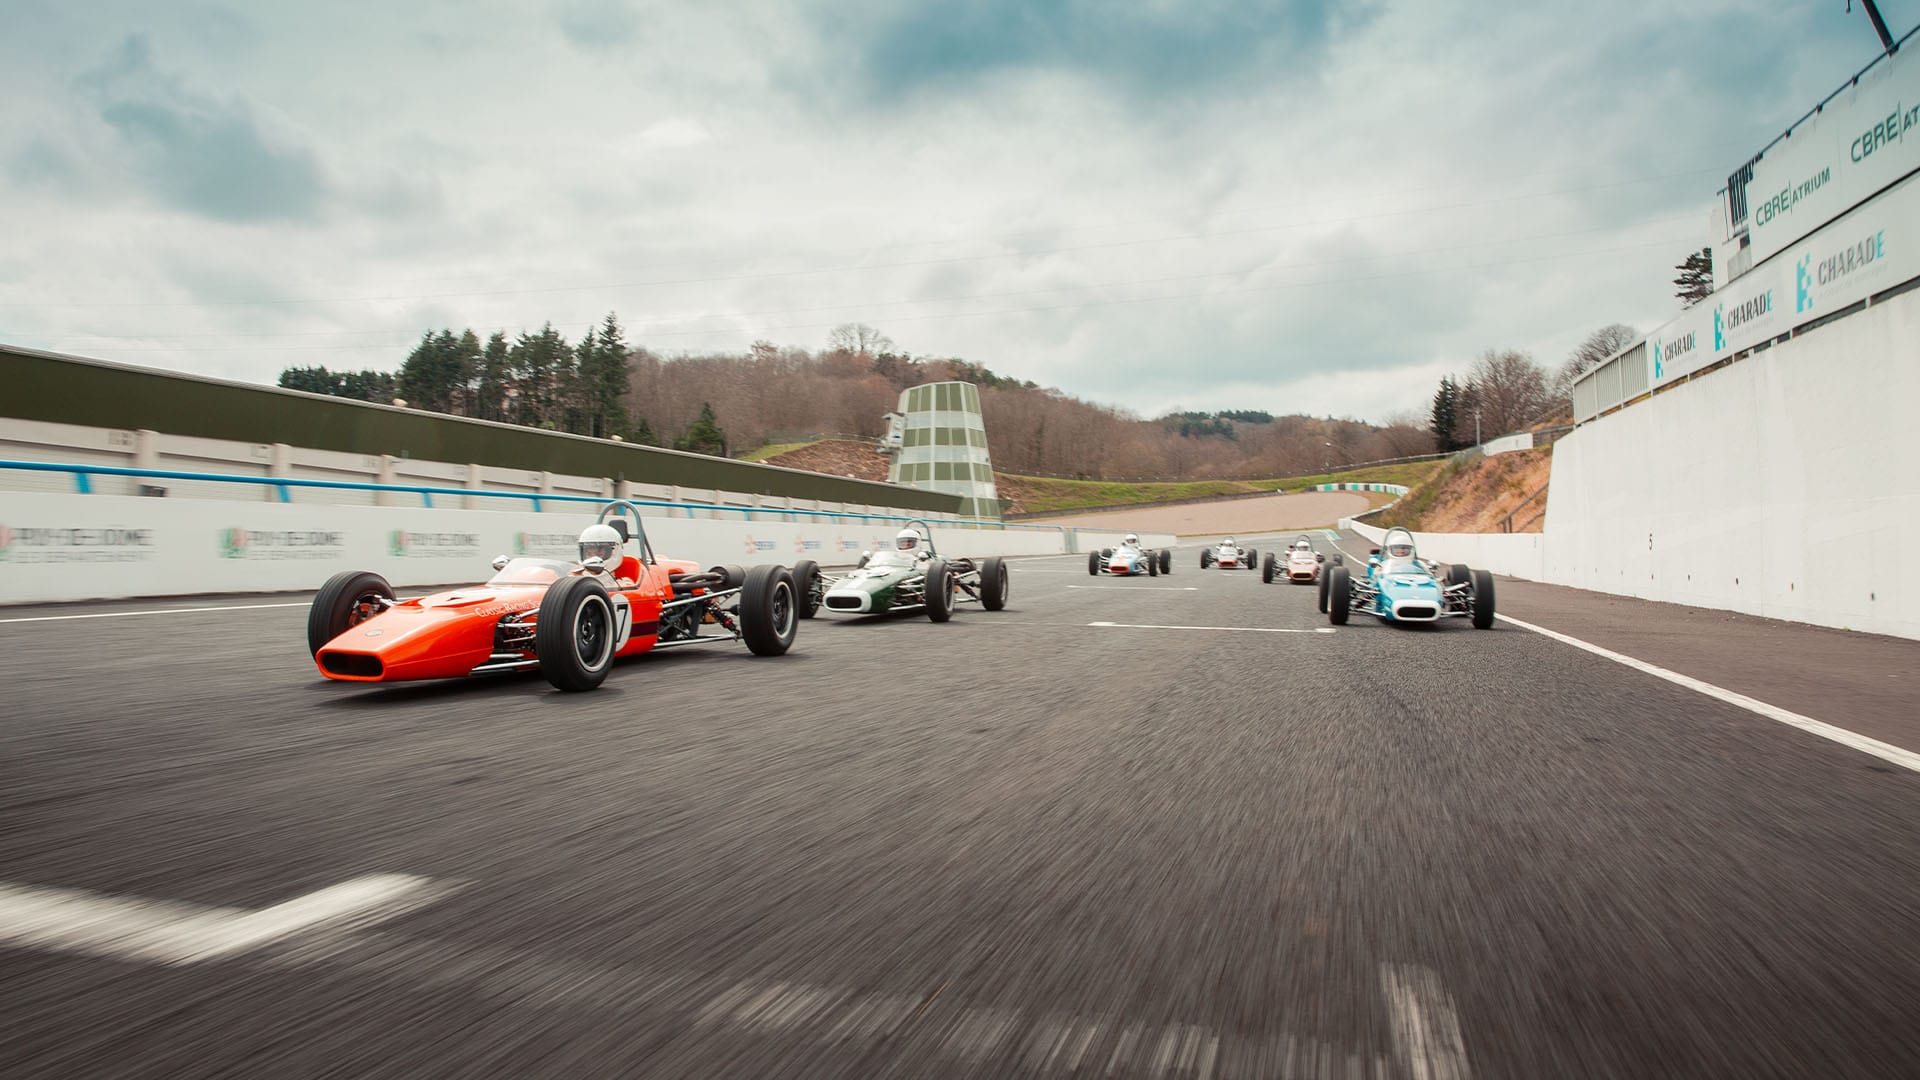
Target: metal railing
{"type": "Point", "coordinates": [83, 485]}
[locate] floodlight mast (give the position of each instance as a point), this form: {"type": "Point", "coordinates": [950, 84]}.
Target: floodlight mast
{"type": "Point", "coordinates": [1879, 24]}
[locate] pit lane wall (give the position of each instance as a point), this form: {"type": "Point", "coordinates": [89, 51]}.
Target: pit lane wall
{"type": "Point", "coordinates": [61, 547]}
{"type": "Point", "coordinates": [1781, 486]}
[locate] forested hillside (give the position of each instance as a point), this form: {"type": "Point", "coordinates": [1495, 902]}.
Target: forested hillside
{"type": "Point", "coordinates": [732, 403]}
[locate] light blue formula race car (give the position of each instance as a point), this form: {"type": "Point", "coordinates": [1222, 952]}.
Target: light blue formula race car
{"type": "Point", "coordinates": [1401, 587]}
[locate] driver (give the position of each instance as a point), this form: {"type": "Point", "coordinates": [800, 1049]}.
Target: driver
{"type": "Point", "coordinates": [1130, 540]}
{"type": "Point", "coordinates": [1400, 549]}
{"type": "Point", "coordinates": [1227, 543]}
{"type": "Point", "coordinates": [910, 544]}
{"type": "Point", "coordinates": [601, 541]}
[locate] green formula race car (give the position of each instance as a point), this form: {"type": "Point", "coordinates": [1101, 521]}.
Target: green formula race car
{"type": "Point", "coordinates": [909, 575]}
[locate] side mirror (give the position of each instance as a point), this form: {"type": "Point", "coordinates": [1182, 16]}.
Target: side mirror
{"type": "Point", "coordinates": [500, 562]}
{"type": "Point", "coordinates": [594, 564]}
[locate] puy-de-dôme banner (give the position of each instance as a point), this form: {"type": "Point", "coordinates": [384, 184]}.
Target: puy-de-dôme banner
{"type": "Point", "coordinates": [1867, 137]}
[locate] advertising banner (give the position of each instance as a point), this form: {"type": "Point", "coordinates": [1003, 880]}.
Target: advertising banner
{"type": "Point", "coordinates": [1867, 137]}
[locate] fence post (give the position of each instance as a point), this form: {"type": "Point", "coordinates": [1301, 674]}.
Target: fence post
{"type": "Point", "coordinates": [279, 466]}
{"type": "Point", "coordinates": [385, 476]}
{"type": "Point", "coordinates": [476, 480]}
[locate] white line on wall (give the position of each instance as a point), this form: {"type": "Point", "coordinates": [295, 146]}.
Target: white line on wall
{"type": "Point", "coordinates": [1906, 759]}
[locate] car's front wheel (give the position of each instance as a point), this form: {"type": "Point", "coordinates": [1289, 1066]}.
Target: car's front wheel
{"type": "Point", "coordinates": [574, 638]}
{"type": "Point", "coordinates": [806, 586]}
{"type": "Point", "coordinates": [1482, 600]}
{"type": "Point", "coordinates": [348, 598]}
{"type": "Point", "coordinates": [939, 590]}
{"type": "Point", "coordinates": [1339, 596]}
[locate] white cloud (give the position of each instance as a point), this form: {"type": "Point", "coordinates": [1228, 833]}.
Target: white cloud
{"type": "Point", "coordinates": [1322, 223]}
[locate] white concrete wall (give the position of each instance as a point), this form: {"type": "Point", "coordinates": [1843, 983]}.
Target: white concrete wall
{"type": "Point", "coordinates": [59, 547]}
{"type": "Point", "coordinates": [1784, 485]}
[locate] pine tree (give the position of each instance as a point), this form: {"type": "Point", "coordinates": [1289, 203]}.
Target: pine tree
{"type": "Point", "coordinates": [1696, 277]}
{"type": "Point", "coordinates": [1446, 402]}
{"type": "Point", "coordinates": [495, 373]}
{"type": "Point", "coordinates": [704, 436]}
{"type": "Point", "coordinates": [603, 378]}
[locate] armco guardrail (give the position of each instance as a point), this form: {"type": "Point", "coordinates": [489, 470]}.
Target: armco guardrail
{"type": "Point", "coordinates": [81, 546]}
{"type": "Point", "coordinates": [54, 388]}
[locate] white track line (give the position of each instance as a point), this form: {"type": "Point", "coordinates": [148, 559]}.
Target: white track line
{"type": "Point", "coordinates": [1426, 1030]}
{"type": "Point", "coordinates": [168, 932]}
{"type": "Point", "coordinates": [1906, 759]}
{"type": "Point", "coordinates": [1145, 588]}
{"type": "Point", "coordinates": [1237, 629]}
{"type": "Point", "coordinates": [156, 611]}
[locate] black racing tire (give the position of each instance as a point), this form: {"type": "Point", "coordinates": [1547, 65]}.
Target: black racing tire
{"type": "Point", "coordinates": [1166, 561]}
{"type": "Point", "coordinates": [1252, 561]}
{"type": "Point", "coordinates": [1339, 596]}
{"type": "Point", "coordinates": [347, 598]}
{"type": "Point", "coordinates": [1458, 574]}
{"type": "Point", "coordinates": [1093, 564]}
{"type": "Point", "coordinates": [1266, 570]}
{"type": "Point", "coordinates": [574, 637]}
{"type": "Point", "coordinates": [1339, 559]}
{"type": "Point", "coordinates": [1206, 558]}
{"type": "Point", "coordinates": [769, 610]}
{"type": "Point", "coordinates": [1153, 564]}
{"type": "Point", "coordinates": [939, 591]}
{"type": "Point", "coordinates": [806, 586]}
{"type": "Point", "coordinates": [1326, 575]}
{"type": "Point", "coordinates": [994, 583]}
{"type": "Point", "coordinates": [1482, 600]}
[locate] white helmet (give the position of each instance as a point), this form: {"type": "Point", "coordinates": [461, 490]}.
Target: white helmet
{"type": "Point", "coordinates": [599, 540]}
{"type": "Point", "coordinates": [1131, 539]}
{"type": "Point", "coordinates": [1228, 542]}
{"type": "Point", "coordinates": [906, 539]}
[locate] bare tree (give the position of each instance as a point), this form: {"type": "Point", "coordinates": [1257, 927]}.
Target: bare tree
{"type": "Point", "coordinates": [1510, 392]}
{"type": "Point", "coordinates": [1587, 355]}
{"type": "Point", "coordinates": [858, 339]}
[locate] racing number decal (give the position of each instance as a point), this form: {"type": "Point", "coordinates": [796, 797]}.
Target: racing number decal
{"type": "Point", "coordinates": [622, 621]}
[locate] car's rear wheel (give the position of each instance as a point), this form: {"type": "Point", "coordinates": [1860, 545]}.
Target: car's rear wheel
{"type": "Point", "coordinates": [1166, 561]}
{"type": "Point", "coordinates": [939, 589]}
{"type": "Point", "coordinates": [994, 583]}
{"type": "Point", "coordinates": [769, 610]}
{"type": "Point", "coordinates": [574, 637]}
{"type": "Point", "coordinates": [348, 598]}
{"type": "Point", "coordinates": [1339, 596]}
{"type": "Point", "coordinates": [806, 586]}
{"type": "Point", "coordinates": [1482, 600]}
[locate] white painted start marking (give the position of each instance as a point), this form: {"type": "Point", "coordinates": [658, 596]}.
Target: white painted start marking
{"type": "Point", "coordinates": [169, 932]}
{"type": "Point", "coordinates": [156, 611]}
{"type": "Point", "coordinates": [1147, 588]}
{"type": "Point", "coordinates": [1888, 752]}
{"type": "Point", "coordinates": [1237, 629]}
{"type": "Point", "coordinates": [1426, 1029]}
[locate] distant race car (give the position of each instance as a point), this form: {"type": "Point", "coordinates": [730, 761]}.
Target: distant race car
{"type": "Point", "coordinates": [910, 575]}
{"type": "Point", "coordinates": [1130, 560]}
{"type": "Point", "coordinates": [570, 620]}
{"type": "Point", "coordinates": [1228, 556]}
{"type": "Point", "coordinates": [1299, 564]}
{"type": "Point", "coordinates": [1401, 587]}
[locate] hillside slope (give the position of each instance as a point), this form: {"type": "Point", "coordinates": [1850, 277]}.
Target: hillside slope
{"type": "Point", "coordinates": [1477, 496]}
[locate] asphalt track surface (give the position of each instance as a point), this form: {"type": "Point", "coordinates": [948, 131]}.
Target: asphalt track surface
{"type": "Point", "coordinates": [1019, 844]}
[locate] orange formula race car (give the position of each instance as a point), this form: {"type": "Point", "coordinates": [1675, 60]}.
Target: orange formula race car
{"type": "Point", "coordinates": [570, 620]}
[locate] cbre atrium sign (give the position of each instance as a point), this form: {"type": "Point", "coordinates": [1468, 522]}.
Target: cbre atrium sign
{"type": "Point", "coordinates": [1866, 138]}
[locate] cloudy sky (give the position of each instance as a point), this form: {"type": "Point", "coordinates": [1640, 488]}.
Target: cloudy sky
{"type": "Point", "coordinates": [1290, 206]}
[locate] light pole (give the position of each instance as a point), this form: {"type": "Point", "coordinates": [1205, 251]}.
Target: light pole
{"type": "Point", "coordinates": [1326, 459]}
